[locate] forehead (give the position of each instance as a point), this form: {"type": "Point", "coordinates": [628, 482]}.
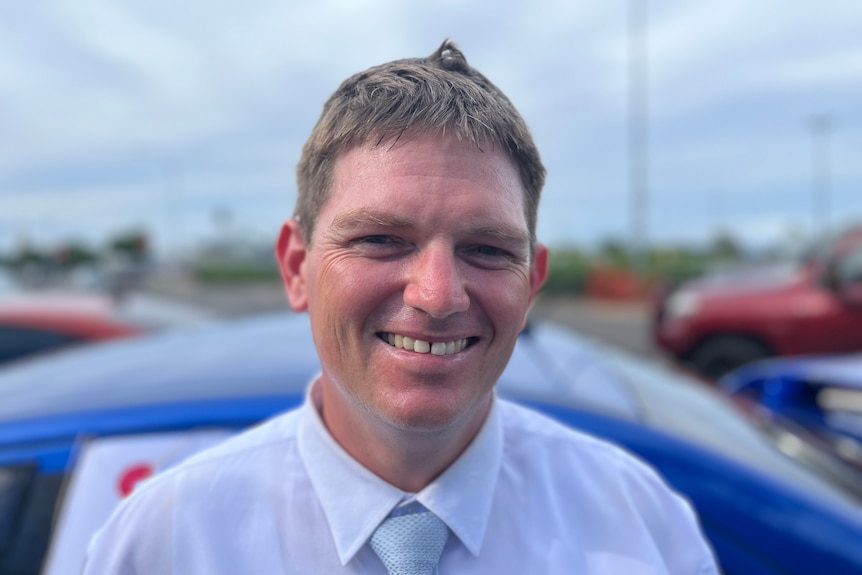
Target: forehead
{"type": "Point", "coordinates": [430, 166]}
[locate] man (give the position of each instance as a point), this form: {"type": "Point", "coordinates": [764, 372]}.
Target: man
{"type": "Point", "coordinates": [413, 250]}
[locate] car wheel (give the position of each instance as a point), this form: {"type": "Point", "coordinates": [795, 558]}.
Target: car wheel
{"type": "Point", "coordinates": [719, 355]}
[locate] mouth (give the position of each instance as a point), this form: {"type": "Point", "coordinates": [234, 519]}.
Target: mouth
{"type": "Point", "coordinates": [421, 346]}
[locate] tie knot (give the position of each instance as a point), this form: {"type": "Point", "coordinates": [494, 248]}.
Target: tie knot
{"type": "Point", "coordinates": [410, 544]}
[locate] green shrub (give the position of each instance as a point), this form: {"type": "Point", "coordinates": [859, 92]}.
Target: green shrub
{"type": "Point", "coordinates": [567, 270]}
{"type": "Point", "coordinates": [214, 271]}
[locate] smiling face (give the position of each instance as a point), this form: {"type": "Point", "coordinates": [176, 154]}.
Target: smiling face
{"type": "Point", "coordinates": [417, 282]}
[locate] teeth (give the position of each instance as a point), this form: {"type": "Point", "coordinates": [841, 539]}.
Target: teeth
{"type": "Point", "coordinates": [420, 346]}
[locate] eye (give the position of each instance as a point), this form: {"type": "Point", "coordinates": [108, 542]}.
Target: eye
{"type": "Point", "coordinates": [379, 245]}
{"type": "Point", "coordinates": [376, 239]}
{"type": "Point", "coordinates": [490, 251]}
{"type": "Point", "coordinates": [488, 256]}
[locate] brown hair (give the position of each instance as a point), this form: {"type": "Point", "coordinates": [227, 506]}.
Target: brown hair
{"type": "Point", "coordinates": [438, 94]}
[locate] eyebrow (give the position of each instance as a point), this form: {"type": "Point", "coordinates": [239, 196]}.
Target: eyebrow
{"type": "Point", "coordinates": [365, 216]}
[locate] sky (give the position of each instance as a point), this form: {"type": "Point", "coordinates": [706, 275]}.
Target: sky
{"type": "Point", "coordinates": [186, 119]}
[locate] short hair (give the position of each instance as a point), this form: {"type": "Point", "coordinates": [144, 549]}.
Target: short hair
{"type": "Point", "coordinates": [439, 94]}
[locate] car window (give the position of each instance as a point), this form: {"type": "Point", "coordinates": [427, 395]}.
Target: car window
{"type": "Point", "coordinates": [13, 483]}
{"type": "Point", "coordinates": [27, 501]}
{"type": "Point", "coordinates": [850, 266]}
{"type": "Point", "coordinates": [18, 341]}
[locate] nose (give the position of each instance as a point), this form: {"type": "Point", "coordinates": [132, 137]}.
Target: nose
{"type": "Point", "coordinates": [435, 283]}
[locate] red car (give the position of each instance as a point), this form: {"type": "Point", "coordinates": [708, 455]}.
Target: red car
{"type": "Point", "coordinates": [715, 324]}
{"type": "Point", "coordinates": [37, 322]}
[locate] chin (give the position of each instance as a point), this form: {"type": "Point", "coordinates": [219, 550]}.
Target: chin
{"type": "Point", "coordinates": [440, 415]}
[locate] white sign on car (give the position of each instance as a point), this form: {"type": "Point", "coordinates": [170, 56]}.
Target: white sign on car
{"type": "Point", "coordinates": [108, 469]}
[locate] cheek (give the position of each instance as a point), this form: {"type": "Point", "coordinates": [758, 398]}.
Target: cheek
{"type": "Point", "coordinates": [349, 290]}
{"type": "Point", "coordinates": [331, 281]}
{"type": "Point", "coordinates": [504, 298]}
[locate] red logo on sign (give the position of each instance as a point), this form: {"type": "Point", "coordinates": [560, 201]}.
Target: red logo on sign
{"type": "Point", "coordinates": [131, 476]}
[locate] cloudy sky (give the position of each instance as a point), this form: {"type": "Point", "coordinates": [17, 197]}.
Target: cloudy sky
{"type": "Point", "coordinates": [186, 118]}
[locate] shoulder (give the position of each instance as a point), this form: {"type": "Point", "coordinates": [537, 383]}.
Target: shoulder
{"type": "Point", "coordinates": [144, 528]}
{"type": "Point", "coordinates": [599, 483]}
{"type": "Point", "coordinates": [540, 449]}
{"type": "Point", "coordinates": [244, 455]}
{"type": "Point", "coordinates": [275, 433]}
{"type": "Point", "coordinates": [525, 428]}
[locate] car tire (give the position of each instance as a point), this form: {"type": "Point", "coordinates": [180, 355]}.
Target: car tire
{"type": "Point", "coordinates": [719, 355]}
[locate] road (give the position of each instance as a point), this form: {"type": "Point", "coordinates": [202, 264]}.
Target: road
{"type": "Point", "coordinates": [622, 324]}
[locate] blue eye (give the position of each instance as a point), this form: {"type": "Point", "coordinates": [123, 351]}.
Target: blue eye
{"type": "Point", "coordinates": [490, 251]}
{"type": "Point", "coordinates": [379, 239]}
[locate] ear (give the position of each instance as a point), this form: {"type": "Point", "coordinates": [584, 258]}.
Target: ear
{"type": "Point", "coordinates": [291, 253]}
{"type": "Point", "coordinates": [538, 269]}
{"type": "Point", "coordinates": [538, 274]}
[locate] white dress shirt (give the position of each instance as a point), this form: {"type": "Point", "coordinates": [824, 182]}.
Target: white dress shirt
{"type": "Point", "coordinates": [527, 496]}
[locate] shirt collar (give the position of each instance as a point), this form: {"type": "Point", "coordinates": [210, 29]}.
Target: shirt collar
{"type": "Point", "coordinates": [461, 496]}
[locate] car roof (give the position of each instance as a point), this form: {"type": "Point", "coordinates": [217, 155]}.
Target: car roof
{"type": "Point", "coordinates": [224, 360]}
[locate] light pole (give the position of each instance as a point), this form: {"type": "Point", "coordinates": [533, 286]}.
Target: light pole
{"type": "Point", "coordinates": [638, 134]}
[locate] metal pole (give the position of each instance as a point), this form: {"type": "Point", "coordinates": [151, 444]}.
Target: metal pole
{"type": "Point", "coordinates": [638, 132]}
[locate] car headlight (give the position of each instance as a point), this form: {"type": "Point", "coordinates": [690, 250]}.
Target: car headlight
{"type": "Point", "coordinates": [681, 304]}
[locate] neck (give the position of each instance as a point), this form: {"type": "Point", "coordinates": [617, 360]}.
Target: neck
{"type": "Point", "coordinates": [409, 459]}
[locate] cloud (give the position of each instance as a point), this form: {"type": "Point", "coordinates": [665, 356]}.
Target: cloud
{"type": "Point", "coordinates": [102, 102]}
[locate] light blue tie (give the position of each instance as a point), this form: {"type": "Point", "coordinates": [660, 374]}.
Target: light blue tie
{"type": "Point", "coordinates": [410, 544]}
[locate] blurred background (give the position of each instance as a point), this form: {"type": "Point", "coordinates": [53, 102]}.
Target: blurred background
{"type": "Point", "coordinates": [152, 145]}
{"type": "Point", "coordinates": [703, 206]}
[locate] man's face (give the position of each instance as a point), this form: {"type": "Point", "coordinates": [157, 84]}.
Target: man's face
{"type": "Point", "coordinates": [417, 282]}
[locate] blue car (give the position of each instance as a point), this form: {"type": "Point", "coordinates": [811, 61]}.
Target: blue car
{"type": "Point", "coordinates": [79, 430]}
{"type": "Point", "coordinates": [819, 396]}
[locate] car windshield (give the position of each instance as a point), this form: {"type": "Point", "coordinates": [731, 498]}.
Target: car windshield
{"type": "Point", "coordinates": [675, 403]}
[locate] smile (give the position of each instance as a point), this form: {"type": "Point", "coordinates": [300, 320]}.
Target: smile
{"type": "Point", "coordinates": [420, 346]}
